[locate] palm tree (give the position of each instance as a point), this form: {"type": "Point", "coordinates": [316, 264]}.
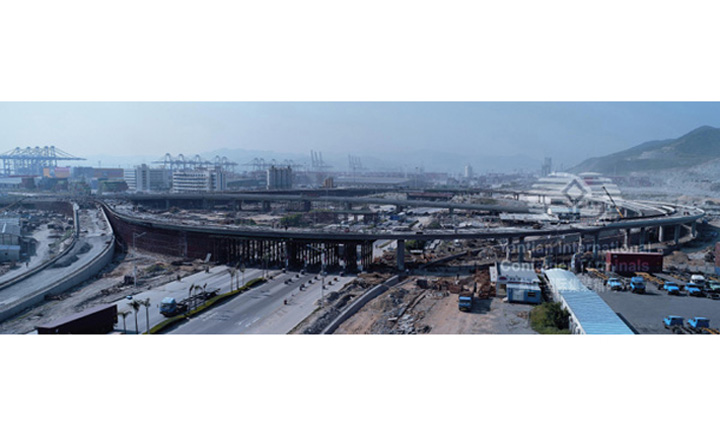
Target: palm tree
{"type": "Point", "coordinates": [146, 303]}
{"type": "Point", "coordinates": [124, 314]}
{"type": "Point", "coordinates": [231, 271]}
{"type": "Point", "coordinates": [135, 305]}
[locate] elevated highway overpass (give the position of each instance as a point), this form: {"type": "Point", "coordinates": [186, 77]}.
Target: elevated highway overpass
{"type": "Point", "coordinates": [295, 248]}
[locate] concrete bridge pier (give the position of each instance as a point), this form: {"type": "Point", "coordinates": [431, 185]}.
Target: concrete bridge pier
{"type": "Point", "coordinates": [643, 236]}
{"type": "Point", "coordinates": [626, 238]}
{"type": "Point", "coordinates": [401, 255]}
{"type": "Point", "coordinates": [661, 234]}
{"type": "Point", "coordinates": [508, 249]}
{"type": "Point", "coordinates": [693, 228]}
{"type": "Point", "coordinates": [676, 238]}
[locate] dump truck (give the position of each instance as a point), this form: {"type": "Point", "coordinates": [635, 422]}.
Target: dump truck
{"type": "Point", "coordinates": [673, 321]}
{"type": "Point", "coordinates": [465, 303]}
{"type": "Point", "coordinates": [615, 284]}
{"type": "Point", "coordinates": [170, 307]}
{"type": "Point", "coordinates": [671, 287]}
{"type": "Point", "coordinates": [693, 289]}
{"type": "Point", "coordinates": [637, 285]}
{"type": "Point", "coordinates": [698, 323]}
{"type": "Point", "coordinates": [713, 288]}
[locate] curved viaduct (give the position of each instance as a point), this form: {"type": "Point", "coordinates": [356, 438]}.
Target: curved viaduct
{"type": "Point", "coordinates": [298, 248]}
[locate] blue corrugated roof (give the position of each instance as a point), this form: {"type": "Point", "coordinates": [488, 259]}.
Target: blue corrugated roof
{"type": "Point", "coordinates": [590, 310]}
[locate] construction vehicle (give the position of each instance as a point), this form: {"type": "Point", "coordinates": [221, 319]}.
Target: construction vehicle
{"type": "Point", "coordinates": [615, 284]}
{"type": "Point", "coordinates": [465, 303]}
{"type": "Point", "coordinates": [671, 288]}
{"type": "Point", "coordinates": [694, 290]}
{"type": "Point", "coordinates": [672, 322]}
{"type": "Point", "coordinates": [170, 307]}
{"type": "Point", "coordinates": [637, 285]}
{"type": "Point", "coordinates": [713, 288]}
{"type": "Point", "coordinates": [649, 278]}
{"type": "Point", "coordinates": [698, 279]}
{"type": "Point", "coordinates": [613, 203]}
{"type": "Point", "coordinates": [697, 324]}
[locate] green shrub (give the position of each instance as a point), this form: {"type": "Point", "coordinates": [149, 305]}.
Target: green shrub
{"type": "Point", "coordinates": [550, 318]}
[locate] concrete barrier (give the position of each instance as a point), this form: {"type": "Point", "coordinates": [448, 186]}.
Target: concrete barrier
{"type": "Point", "coordinates": [353, 308]}
{"type": "Point", "coordinates": [89, 270]}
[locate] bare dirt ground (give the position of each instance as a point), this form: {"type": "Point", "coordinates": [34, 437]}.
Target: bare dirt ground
{"type": "Point", "coordinates": [335, 303]}
{"type": "Point", "coordinates": [109, 286]}
{"type": "Point", "coordinates": [411, 309]}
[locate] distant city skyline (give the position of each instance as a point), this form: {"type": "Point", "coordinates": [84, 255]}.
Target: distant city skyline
{"type": "Point", "coordinates": [443, 136]}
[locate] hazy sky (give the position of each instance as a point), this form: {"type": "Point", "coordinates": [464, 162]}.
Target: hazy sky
{"type": "Point", "coordinates": [569, 132]}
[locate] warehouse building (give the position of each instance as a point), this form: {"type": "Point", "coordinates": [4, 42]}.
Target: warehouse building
{"type": "Point", "coordinates": [518, 282]}
{"type": "Point", "coordinates": [589, 314]}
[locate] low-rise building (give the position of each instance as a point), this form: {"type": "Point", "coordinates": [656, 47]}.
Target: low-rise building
{"type": "Point", "coordinates": [517, 281]}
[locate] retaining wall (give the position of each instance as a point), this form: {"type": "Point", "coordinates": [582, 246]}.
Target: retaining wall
{"type": "Point", "coordinates": [353, 308]}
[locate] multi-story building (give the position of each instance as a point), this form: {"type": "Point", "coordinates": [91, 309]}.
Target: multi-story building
{"type": "Point", "coordinates": [279, 178]}
{"type": "Point", "coordinates": [190, 181]}
{"type": "Point", "coordinates": [143, 178]}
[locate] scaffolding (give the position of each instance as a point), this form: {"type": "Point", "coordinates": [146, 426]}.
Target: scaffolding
{"type": "Point", "coordinates": [32, 160]}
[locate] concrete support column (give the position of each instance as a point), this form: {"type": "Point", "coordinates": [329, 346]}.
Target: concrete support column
{"type": "Point", "coordinates": [661, 234]}
{"type": "Point", "coordinates": [508, 249]}
{"type": "Point", "coordinates": [693, 228]}
{"type": "Point", "coordinates": [401, 255]}
{"type": "Point", "coordinates": [676, 239]}
{"type": "Point", "coordinates": [626, 238]}
{"type": "Point", "coordinates": [307, 205]}
{"type": "Point", "coordinates": [643, 236]}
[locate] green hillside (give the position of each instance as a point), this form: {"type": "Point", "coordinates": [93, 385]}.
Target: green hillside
{"type": "Point", "coordinates": [699, 146]}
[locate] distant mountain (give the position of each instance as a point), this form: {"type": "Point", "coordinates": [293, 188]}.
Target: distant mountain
{"type": "Point", "coordinates": [697, 147]}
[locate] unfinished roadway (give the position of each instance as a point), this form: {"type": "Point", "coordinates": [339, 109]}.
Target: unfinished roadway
{"type": "Point", "coordinates": [296, 248]}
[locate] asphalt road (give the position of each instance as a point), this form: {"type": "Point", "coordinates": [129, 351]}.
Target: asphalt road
{"type": "Point", "coordinates": [95, 237]}
{"type": "Point", "coordinates": [218, 277]}
{"type": "Point", "coordinates": [262, 311]}
{"type": "Point", "coordinates": [645, 312]}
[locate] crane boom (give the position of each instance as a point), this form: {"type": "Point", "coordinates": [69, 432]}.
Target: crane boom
{"type": "Point", "coordinates": [613, 202]}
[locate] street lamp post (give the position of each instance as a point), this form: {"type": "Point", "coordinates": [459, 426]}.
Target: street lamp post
{"type": "Point", "coordinates": [322, 268]}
